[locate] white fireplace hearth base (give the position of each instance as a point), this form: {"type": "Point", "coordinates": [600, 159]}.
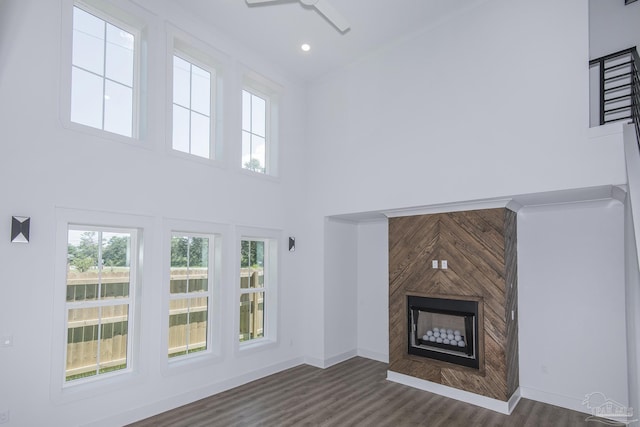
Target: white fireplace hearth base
{"type": "Point", "coordinates": [453, 393]}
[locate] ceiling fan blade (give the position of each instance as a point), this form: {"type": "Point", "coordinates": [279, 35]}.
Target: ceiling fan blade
{"type": "Point", "coordinates": [260, 1]}
{"type": "Point", "coordinates": [332, 15]}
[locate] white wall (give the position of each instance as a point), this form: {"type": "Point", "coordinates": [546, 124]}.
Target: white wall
{"type": "Point", "coordinates": [572, 333]}
{"type": "Point", "coordinates": [632, 309]}
{"type": "Point", "coordinates": [477, 107]}
{"type": "Point", "coordinates": [340, 291]}
{"type": "Point", "coordinates": [373, 290]}
{"type": "Point", "coordinates": [45, 165]}
{"type": "Point", "coordinates": [632, 237]}
{"type": "Point", "coordinates": [613, 26]}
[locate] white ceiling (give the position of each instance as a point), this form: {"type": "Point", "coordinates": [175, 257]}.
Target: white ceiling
{"type": "Point", "coordinates": [276, 30]}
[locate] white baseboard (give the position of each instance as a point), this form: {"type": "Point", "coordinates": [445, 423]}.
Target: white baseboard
{"type": "Point", "coordinates": [192, 396]}
{"type": "Point", "coordinates": [554, 399]}
{"type": "Point", "coordinates": [373, 355]}
{"type": "Point", "coordinates": [340, 358]}
{"type": "Point", "coordinates": [454, 393]}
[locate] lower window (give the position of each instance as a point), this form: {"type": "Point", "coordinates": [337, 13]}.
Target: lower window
{"type": "Point", "coordinates": [101, 271]}
{"type": "Point", "coordinates": [189, 294]}
{"type": "Point", "coordinates": [257, 284]}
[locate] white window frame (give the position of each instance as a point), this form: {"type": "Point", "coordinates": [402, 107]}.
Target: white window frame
{"type": "Point", "coordinates": [129, 22]}
{"type": "Point", "coordinates": [213, 353]}
{"type": "Point", "coordinates": [272, 239]}
{"type": "Point", "coordinates": [267, 129]}
{"type": "Point", "coordinates": [62, 391]}
{"type": "Point", "coordinates": [271, 93]}
{"type": "Point", "coordinates": [199, 53]}
{"type": "Point", "coordinates": [212, 112]}
{"type": "Point", "coordinates": [129, 301]}
{"type": "Point", "coordinates": [211, 275]}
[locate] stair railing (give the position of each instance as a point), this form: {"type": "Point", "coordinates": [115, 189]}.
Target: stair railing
{"type": "Point", "coordinates": [619, 87]}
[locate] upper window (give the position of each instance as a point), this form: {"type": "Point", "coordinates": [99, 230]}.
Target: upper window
{"type": "Point", "coordinates": [103, 74]}
{"type": "Point", "coordinates": [192, 105]}
{"type": "Point", "coordinates": [190, 293]}
{"type": "Point", "coordinates": [255, 141]}
{"type": "Point", "coordinates": [100, 282]}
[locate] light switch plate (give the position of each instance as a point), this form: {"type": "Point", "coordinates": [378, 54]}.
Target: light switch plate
{"type": "Point", "coordinates": [444, 264]}
{"type": "Point", "coordinates": [434, 263]}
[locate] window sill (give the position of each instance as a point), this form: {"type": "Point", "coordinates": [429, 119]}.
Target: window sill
{"type": "Point", "coordinates": [196, 159]}
{"type": "Point", "coordinates": [259, 175]}
{"type": "Point", "coordinates": [190, 362]}
{"type": "Point", "coordinates": [77, 390]}
{"type": "Point", "coordinates": [254, 345]}
{"type": "Point", "coordinates": [104, 135]}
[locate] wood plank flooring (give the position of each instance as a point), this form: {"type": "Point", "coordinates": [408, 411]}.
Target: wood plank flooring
{"type": "Point", "coordinates": [352, 393]}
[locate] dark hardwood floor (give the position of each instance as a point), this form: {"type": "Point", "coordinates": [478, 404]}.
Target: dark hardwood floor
{"type": "Point", "coordinates": [352, 393]}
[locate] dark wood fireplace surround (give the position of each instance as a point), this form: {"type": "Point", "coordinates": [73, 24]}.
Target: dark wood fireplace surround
{"type": "Point", "coordinates": [480, 249]}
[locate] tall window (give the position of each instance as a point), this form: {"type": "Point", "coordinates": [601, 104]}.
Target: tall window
{"type": "Point", "coordinates": [190, 293]}
{"type": "Point", "coordinates": [191, 108]}
{"type": "Point", "coordinates": [256, 260]}
{"type": "Point", "coordinates": [254, 132]}
{"type": "Point", "coordinates": [103, 74]}
{"type": "Point", "coordinates": [101, 276]}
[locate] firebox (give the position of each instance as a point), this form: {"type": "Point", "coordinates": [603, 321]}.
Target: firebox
{"type": "Point", "coordinates": [443, 329]}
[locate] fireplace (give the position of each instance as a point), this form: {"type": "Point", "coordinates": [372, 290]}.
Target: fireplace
{"type": "Point", "coordinates": [443, 329]}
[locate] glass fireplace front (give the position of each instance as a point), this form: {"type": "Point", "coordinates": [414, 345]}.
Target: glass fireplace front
{"type": "Point", "coordinates": [443, 329]}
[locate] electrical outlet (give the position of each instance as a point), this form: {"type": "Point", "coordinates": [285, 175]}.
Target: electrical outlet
{"type": "Point", "coordinates": [4, 417]}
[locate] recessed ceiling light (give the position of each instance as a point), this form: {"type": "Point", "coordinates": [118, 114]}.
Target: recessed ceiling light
{"type": "Point", "coordinates": [305, 47]}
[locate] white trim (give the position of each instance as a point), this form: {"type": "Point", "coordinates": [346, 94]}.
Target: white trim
{"type": "Point", "coordinates": [218, 235]}
{"type": "Point", "coordinates": [59, 390]}
{"type": "Point", "coordinates": [334, 360]}
{"type": "Point", "coordinates": [373, 355]}
{"type": "Point", "coordinates": [261, 86]}
{"type": "Point", "coordinates": [175, 401]}
{"type": "Point", "coordinates": [450, 207]}
{"type": "Point", "coordinates": [273, 247]}
{"type": "Point", "coordinates": [454, 393]}
{"type": "Point", "coordinates": [119, 18]}
{"type": "Point", "coordinates": [203, 55]}
{"type": "Point", "coordinates": [554, 399]}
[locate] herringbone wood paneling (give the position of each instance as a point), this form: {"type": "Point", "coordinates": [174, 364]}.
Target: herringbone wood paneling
{"type": "Point", "coordinates": [480, 248]}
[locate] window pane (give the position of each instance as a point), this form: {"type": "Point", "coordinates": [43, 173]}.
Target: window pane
{"type": "Point", "coordinates": [113, 339]}
{"type": "Point", "coordinates": [87, 326]}
{"type": "Point", "coordinates": [199, 252]}
{"type": "Point", "coordinates": [200, 90]}
{"type": "Point", "coordinates": [246, 110]}
{"type": "Point", "coordinates": [187, 325]}
{"type": "Point", "coordinates": [258, 154]}
{"type": "Point", "coordinates": [258, 115]}
{"type": "Point", "coordinates": [180, 129]}
{"type": "Point", "coordinates": [119, 55]}
{"type": "Point", "coordinates": [88, 41]}
{"type": "Point", "coordinates": [86, 98]}
{"type": "Point", "coordinates": [189, 264]}
{"type": "Point", "coordinates": [200, 135]}
{"type": "Point", "coordinates": [246, 150]}
{"type": "Point", "coordinates": [181, 81]}
{"type": "Point", "coordinates": [118, 114]}
{"type": "Point", "coordinates": [245, 261]}
{"type": "Point", "coordinates": [116, 253]}
{"type": "Point", "coordinates": [251, 316]}
{"type": "Point", "coordinates": [198, 264]}
{"type": "Point", "coordinates": [251, 264]}
{"type": "Point", "coordinates": [82, 266]}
